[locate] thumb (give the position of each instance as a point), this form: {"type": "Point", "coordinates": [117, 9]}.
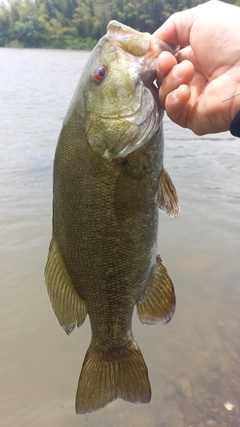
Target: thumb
{"type": "Point", "coordinates": [176, 30]}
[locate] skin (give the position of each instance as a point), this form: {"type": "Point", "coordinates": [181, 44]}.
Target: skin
{"type": "Point", "coordinates": [200, 87]}
{"type": "Point", "coordinates": [107, 189]}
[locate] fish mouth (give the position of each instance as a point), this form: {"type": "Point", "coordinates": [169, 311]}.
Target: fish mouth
{"type": "Point", "coordinates": [149, 76]}
{"type": "Point", "coordinates": [137, 43]}
{"type": "Point", "coordinates": [130, 40]}
{"type": "Point", "coordinates": [145, 48]}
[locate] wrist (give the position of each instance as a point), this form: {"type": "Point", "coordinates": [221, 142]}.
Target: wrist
{"type": "Point", "coordinates": [235, 125]}
{"type": "Point", "coordinates": [235, 113]}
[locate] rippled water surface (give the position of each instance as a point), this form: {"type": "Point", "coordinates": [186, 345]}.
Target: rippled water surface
{"type": "Point", "coordinates": [194, 362]}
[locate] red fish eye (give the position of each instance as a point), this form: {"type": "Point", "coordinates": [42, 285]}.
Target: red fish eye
{"type": "Point", "coordinates": [100, 73]}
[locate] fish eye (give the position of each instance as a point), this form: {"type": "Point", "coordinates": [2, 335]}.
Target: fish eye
{"type": "Point", "coordinates": [100, 73]}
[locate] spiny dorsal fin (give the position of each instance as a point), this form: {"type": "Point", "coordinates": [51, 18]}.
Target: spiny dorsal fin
{"type": "Point", "coordinates": [166, 197]}
{"type": "Point", "coordinates": [69, 308]}
{"type": "Point", "coordinates": [157, 304]}
{"type": "Point", "coordinates": [106, 376]}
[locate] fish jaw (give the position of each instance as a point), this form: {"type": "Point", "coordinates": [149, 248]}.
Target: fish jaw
{"type": "Point", "coordinates": [128, 39]}
{"type": "Point", "coordinates": [139, 44]}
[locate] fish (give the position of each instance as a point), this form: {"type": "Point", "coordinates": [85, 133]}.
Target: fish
{"type": "Point", "coordinates": [109, 182]}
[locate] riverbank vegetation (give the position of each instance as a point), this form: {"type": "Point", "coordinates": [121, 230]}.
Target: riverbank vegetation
{"type": "Point", "coordinates": [78, 24]}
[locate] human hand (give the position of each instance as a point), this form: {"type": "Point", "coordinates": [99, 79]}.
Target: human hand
{"type": "Point", "coordinates": [201, 88]}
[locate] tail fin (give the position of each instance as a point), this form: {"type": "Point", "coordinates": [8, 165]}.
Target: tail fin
{"type": "Point", "coordinates": [107, 376]}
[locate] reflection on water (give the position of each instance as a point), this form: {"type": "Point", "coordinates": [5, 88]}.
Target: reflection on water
{"type": "Point", "coordinates": [194, 362]}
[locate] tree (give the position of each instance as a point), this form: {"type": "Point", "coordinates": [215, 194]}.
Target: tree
{"type": "Point", "coordinates": [79, 23]}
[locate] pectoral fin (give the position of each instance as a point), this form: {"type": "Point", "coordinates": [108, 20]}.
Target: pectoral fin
{"type": "Point", "coordinates": [166, 197]}
{"type": "Point", "coordinates": [157, 304]}
{"type": "Point", "coordinates": [69, 308]}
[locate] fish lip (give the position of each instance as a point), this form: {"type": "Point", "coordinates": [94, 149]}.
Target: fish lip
{"type": "Point", "coordinates": [158, 45]}
{"type": "Point", "coordinates": [147, 44]}
{"type": "Point", "coordinates": [130, 40]}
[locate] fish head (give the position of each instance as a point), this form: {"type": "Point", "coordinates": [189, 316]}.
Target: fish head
{"type": "Point", "coordinates": [116, 96]}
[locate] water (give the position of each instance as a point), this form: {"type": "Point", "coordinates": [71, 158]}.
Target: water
{"type": "Point", "coordinates": [194, 362]}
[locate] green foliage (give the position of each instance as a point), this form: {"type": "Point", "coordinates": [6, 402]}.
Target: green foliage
{"type": "Point", "coordinates": [26, 32]}
{"type": "Point", "coordinates": [78, 24]}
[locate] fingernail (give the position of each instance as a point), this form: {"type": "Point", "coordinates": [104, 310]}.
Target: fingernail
{"type": "Point", "coordinates": [175, 72]}
{"type": "Point", "coordinates": [175, 95]}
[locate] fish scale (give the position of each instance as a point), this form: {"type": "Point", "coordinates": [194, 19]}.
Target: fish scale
{"type": "Point", "coordinates": [109, 182]}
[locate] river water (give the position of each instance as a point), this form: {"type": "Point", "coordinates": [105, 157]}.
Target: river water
{"type": "Point", "coordinates": [194, 361]}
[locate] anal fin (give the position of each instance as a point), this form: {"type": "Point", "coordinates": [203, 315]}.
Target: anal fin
{"type": "Point", "coordinates": [68, 306]}
{"type": "Point", "coordinates": [166, 197]}
{"type": "Point", "coordinates": [157, 304]}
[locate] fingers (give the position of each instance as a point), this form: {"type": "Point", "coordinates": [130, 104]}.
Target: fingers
{"type": "Point", "coordinates": [172, 76]}
{"type": "Point", "coordinates": [165, 63]}
{"type": "Point", "coordinates": [176, 104]}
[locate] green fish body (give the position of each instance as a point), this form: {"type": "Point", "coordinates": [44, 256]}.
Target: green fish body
{"type": "Point", "coordinates": [109, 182]}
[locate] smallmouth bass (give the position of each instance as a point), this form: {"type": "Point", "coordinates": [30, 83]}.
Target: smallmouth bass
{"type": "Point", "coordinates": [108, 183]}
